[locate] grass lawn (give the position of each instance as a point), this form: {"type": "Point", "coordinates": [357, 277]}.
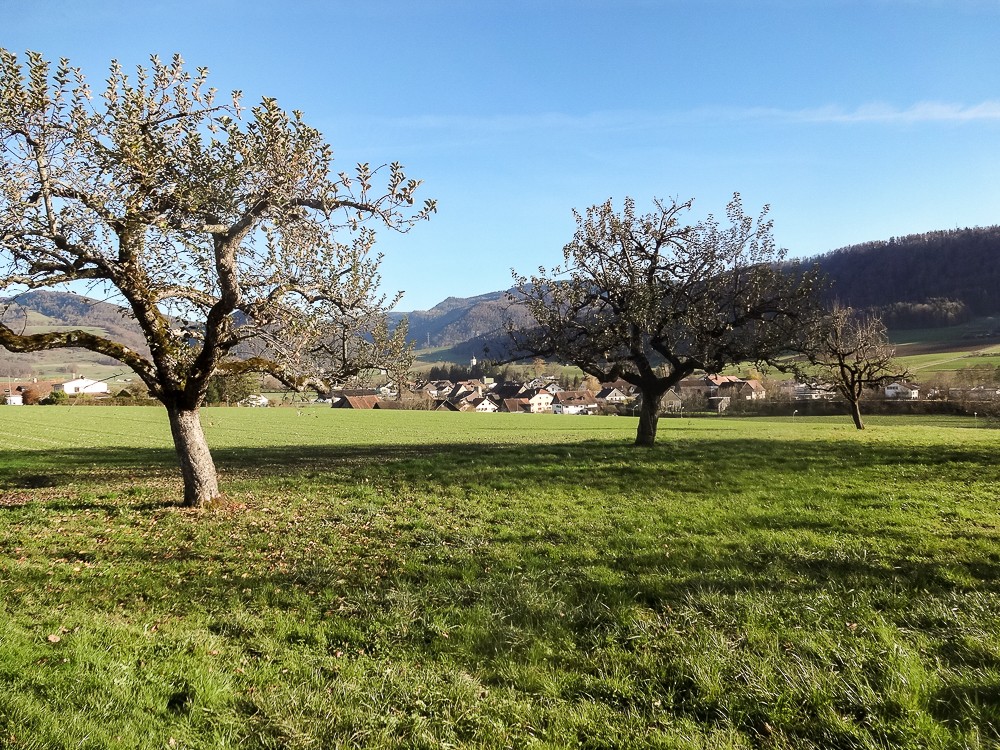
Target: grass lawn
{"type": "Point", "coordinates": [430, 580]}
{"type": "Point", "coordinates": [924, 364]}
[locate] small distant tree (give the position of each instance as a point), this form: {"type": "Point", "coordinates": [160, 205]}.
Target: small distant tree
{"type": "Point", "coordinates": [55, 398]}
{"type": "Point", "coordinates": [226, 233]}
{"type": "Point", "coordinates": [31, 395]}
{"type": "Point", "coordinates": [231, 389]}
{"type": "Point", "coordinates": [649, 299]}
{"type": "Point", "coordinates": [852, 352]}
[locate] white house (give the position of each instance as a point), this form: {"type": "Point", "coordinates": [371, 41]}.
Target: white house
{"type": "Point", "coordinates": [809, 391]}
{"type": "Point", "coordinates": [574, 402]}
{"type": "Point", "coordinates": [14, 399]}
{"type": "Point", "coordinates": [255, 399]}
{"type": "Point", "coordinates": [81, 385]}
{"type": "Point", "coordinates": [540, 400]}
{"type": "Point", "coordinates": [902, 390]}
{"type": "Point", "coordinates": [485, 405]}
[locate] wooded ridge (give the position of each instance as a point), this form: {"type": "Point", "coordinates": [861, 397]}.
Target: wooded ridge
{"type": "Point", "coordinates": [918, 281]}
{"type": "Point", "coordinates": [934, 279]}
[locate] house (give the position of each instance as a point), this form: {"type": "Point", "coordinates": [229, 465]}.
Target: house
{"type": "Point", "coordinates": [718, 403]}
{"type": "Point", "coordinates": [484, 405]}
{"type": "Point", "coordinates": [463, 390]}
{"type": "Point", "coordinates": [81, 385]}
{"type": "Point", "coordinates": [574, 402]}
{"type": "Point", "coordinates": [611, 395]}
{"type": "Point", "coordinates": [14, 399]}
{"type": "Point", "coordinates": [742, 390]}
{"type": "Point", "coordinates": [671, 401]}
{"type": "Point", "coordinates": [717, 381]}
{"type": "Point", "coordinates": [812, 392]}
{"type": "Point", "coordinates": [516, 406]}
{"type": "Point", "coordinates": [255, 399]}
{"type": "Point", "coordinates": [902, 390]}
{"type": "Point", "coordinates": [439, 388]}
{"type": "Point", "coordinates": [392, 404]}
{"type": "Point", "coordinates": [356, 402]}
{"type": "Point", "coordinates": [468, 402]}
{"type": "Point", "coordinates": [695, 388]}
{"type": "Point", "coordinates": [505, 390]}
{"type": "Point", "coordinates": [622, 386]}
{"type": "Point", "coordinates": [540, 400]}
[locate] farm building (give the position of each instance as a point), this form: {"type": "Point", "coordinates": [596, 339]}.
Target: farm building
{"type": "Point", "coordinates": [81, 385]}
{"type": "Point", "coordinates": [902, 390]}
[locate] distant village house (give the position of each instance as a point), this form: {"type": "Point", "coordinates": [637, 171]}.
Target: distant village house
{"type": "Point", "coordinates": [81, 386]}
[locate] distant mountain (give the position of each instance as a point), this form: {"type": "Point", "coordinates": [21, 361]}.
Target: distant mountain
{"type": "Point", "coordinates": [41, 311]}
{"type": "Point", "coordinates": [458, 320]}
{"type": "Point", "coordinates": [56, 310]}
{"type": "Point", "coordinates": [917, 281]}
{"type": "Point", "coordinates": [926, 280]}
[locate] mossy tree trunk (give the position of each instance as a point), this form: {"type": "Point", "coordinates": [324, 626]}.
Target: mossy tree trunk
{"type": "Point", "coordinates": [201, 482]}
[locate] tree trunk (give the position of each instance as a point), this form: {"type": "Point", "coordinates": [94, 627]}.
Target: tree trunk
{"type": "Point", "coordinates": [648, 417]}
{"type": "Point", "coordinates": [856, 414]}
{"type": "Point", "coordinates": [201, 482]}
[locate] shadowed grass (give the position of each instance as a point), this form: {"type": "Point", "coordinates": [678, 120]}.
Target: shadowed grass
{"type": "Point", "coordinates": [403, 580]}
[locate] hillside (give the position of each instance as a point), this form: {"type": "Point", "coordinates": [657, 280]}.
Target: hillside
{"type": "Point", "coordinates": [39, 311]}
{"type": "Point", "coordinates": [927, 281]}
{"type": "Point", "coordinates": [937, 279]}
{"type": "Point", "coordinates": [456, 321]}
{"type": "Point", "coordinates": [922, 280]}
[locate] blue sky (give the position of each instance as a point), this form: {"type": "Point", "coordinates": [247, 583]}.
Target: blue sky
{"type": "Point", "coordinates": [855, 120]}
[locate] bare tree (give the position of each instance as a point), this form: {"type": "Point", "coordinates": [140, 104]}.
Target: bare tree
{"type": "Point", "coordinates": [216, 227]}
{"type": "Point", "coordinates": [649, 299]}
{"type": "Point", "coordinates": [852, 352]}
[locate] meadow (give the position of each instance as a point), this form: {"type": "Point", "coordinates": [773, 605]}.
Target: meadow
{"type": "Point", "coordinates": [438, 580]}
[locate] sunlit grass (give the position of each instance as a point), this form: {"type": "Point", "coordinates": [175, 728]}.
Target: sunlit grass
{"type": "Point", "coordinates": [432, 580]}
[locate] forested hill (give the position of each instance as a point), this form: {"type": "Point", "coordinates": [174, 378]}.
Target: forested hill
{"type": "Point", "coordinates": [60, 310]}
{"type": "Point", "coordinates": [923, 280]}
{"type": "Point", "coordinates": [933, 279]}
{"type": "Point", "coordinates": [457, 320]}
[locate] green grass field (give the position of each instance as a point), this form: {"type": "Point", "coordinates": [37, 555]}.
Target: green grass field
{"type": "Point", "coordinates": [922, 365]}
{"type": "Point", "coordinates": [433, 580]}
{"type": "Point", "coordinates": [932, 350]}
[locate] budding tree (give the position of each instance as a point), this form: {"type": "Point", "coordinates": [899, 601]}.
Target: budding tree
{"type": "Point", "coordinates": [225, 233]}
{"type": "Point", "coordinates": [650, 299]}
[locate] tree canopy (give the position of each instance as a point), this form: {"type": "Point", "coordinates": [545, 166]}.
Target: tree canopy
{"type": "Point", "coordinates": [225, 232]}
{"type": "Point", "coordinates": [650, 299]}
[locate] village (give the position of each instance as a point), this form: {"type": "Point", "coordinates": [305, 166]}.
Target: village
{"type": "Point", "coordinates": [545, 394]}
{"type": "Point", "coordinates": [540, 394]}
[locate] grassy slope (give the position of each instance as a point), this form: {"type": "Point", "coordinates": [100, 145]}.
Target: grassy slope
{"type": "Point", "coordinates": [432, 580]}
{"type": "Point", "coordinates": [930, 350]}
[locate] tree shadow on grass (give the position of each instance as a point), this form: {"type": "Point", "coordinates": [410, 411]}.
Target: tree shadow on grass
{"type": "Point", "coordinates": [542, 577]}
{"type": "Point", "coordinates": [601, 473]}
{"type": "Point", "coordinates": [691, 465]}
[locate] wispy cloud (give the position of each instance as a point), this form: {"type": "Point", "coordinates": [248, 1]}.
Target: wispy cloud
{"type": "Point", "coordinates": [623, 120]}
{"type": "Point", "coordinates": [885, 113]}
